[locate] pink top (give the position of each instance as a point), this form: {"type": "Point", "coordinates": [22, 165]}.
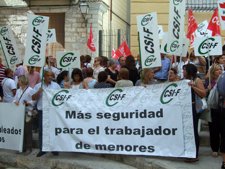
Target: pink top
{"type": "Point", "coordinates": [34, 78]}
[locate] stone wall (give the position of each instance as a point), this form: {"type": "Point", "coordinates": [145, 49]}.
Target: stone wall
{"type": "Point", "coordinates": [76, 28]}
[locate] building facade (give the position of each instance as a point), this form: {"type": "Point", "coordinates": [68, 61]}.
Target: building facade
{"type": "Point", "coordinates": [203, 10]}
{"type": "Point", "coordinates": [72, 27]}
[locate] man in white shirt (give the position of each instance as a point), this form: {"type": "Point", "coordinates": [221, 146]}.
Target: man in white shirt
{"type": "Point", "coordinates": [48, 83]}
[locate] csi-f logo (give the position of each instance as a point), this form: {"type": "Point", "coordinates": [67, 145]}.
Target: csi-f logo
{"type": "Point", "coordinates": [38, 20]}
{"type": "Point", "coordinates": [176, 2]}
{"type": "Point", "coordinates": [169, 93]}
{"type": "Point", "coordinates": [114, 97]}
{"type": "Point", "coordinates": [174, 46]}
{"type": "Point", "coordinates": [146, 20]}
{"type": "Point", "coordinates": [60, 97]}
{"type": "Point", "coordinates": [207, 45]}
{"type": "Point", "coordinates": [34, 59]}
{"type": "Point", "coordinates": [13, 60]}
{"type": "Point", "coordinates": [3, 31]}
{"type": "Point", "coordinates": [67, 59]}
{"type": "Point", "coordinates": [149, 60]}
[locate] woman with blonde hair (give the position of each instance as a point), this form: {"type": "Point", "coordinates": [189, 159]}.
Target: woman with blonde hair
{"type": "Point", "coordinates": [23, 96]}
{"type": "Point", "coordinates": [214, 126]}
{"type": "Point", "coordinates": [147, 77]}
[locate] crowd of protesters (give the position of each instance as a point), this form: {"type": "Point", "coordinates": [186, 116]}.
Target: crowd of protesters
{"type": "Point", "coordinates": [24, 86]}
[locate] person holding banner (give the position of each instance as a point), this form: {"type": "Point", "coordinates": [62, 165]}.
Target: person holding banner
{"type": "Point", "coordinates": [63, 78]}
{"type": "Point", "coordinates": [77, 78]}
{"type": "Point", "coordinates": [89, 81]}
{"type": "Point", "coordinates": [48, 83]}
{"type": "Point", "coordinates": [8, 86]}
{"type": "Point", "coordinates": [23, 96]}
{"type": "Point", "coordinates": [123, 79]}
{"type": "Point", "coordinates": [173, 77]}
{"type": "Point", "coordinates": [112, 72]}
{"type": "Point", "coordinates": [147, 78]}
{"type": "Point", "coordinates": [102, 81]}
{"type": "Point", "coordinates": [197, 90]}
{"type": "Point", "coordinates": [133, 72]}
{"type": "Point", "coordinates": [97, 67]}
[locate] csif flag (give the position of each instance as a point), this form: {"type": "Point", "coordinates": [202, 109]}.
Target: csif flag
{"type": "Point", "coordinates": [123, 50]}
{"type": "Point", "coordinates": [214, 24]}
{"type": "Point", "coordinates": [221, 8]}
{"type": "Point", "coordinates": [90, 42]}
{"type": "Point", "coordinates": [192, 26]}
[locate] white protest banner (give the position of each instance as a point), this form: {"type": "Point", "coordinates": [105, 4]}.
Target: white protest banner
{"type": "Point", "coordinates": [149, 40]}
{"type": "Point", "coordinates": [221, 9]}
{"type": "Point", "coordinates": [176, 26]}
{"type": "Point", "coordinates": [11, 126]}
{"type": "Point", "coordinates": [36, 40]}
{"type": "Point", "coordinates": [9, 47]}
{"type": "Point", "coordinates": [133, 121]}
{"type": "Point", "coordinates": [208, 46]}
{"type": "Point", "coordinates": [202, 30]}
{"type": "Point", "coordinates": [68, 59]}
{"type": "Point", "coordinates": [51, 36]}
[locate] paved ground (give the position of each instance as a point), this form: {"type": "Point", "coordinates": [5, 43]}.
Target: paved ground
{"type": "Point", "coordinates": [92, 161]}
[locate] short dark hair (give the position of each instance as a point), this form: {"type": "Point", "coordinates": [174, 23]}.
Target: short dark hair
{"type": "Point", "coordinates": [77, 71]}
{"type": "Point", "coordinates": [191, 70]}
{"type": "Point", "coordinates": [89, 72]}
{"type": "Point", "coordinates": [102, 76]}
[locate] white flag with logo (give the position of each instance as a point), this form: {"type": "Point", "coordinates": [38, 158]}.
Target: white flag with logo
{"type": "Point", "coordinates": [208, 46]}
{"type": "Point", "coordinates": [36, 40]}
{"type": "Point", "coordinates": [51, 36]}
{"type": "Point", "coordinates": [202, 30]}
{"type": "Point", "coordinates": [176, 26]}
{"type": "Point", "coordinates": [68, 59]}
{"type": "Point", "coordinates": [9, 47]}
{"type": "Point", "coordinates": [149, 40]}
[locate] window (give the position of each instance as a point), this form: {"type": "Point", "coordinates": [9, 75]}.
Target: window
{"type": "Point", "coordinates": [201, 5]}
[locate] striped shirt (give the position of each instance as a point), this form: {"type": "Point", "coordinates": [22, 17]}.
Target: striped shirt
{"type": "Point", "coordinates": [2, 73]}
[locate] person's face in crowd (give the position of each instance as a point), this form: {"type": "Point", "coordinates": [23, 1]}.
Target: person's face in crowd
{"type": "Point", "coordinates": [96, 62]}
{"type": "Point", "coordinates": [184, 73]}
{"type": "Point", "coordinates": [113, 66]}
{"type": "Point", "coordinates": [122, 61]}
{"type": "Point", "coordinates": [172, 76]}
{"type": "Point", "coordinates": [217, 71]}
{"type": "Point", "coordinates": [10, 74]}
{"type": "Point", "coordinates": [222, 60]}
{"type": "Point", "coordinates": [48, 77]}
{"type": "Point", "coordinates": [76, 78]}
{"type": "Point", "coordinates": [150, 74]}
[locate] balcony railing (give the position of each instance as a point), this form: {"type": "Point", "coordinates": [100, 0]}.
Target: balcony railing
{"type": "Point", "coordinates": [201, 5]}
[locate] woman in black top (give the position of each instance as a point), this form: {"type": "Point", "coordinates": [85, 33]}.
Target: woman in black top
{"type": "Point", "coordinates": [133, 72]}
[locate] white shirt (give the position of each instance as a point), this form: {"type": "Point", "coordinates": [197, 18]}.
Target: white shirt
{"type": "Point", "coordinates": [8, 85]}
{"type": "Point", "coordinates": [97, 70]}
{"type": "Point", "coordinates": [23, 95]}
{"type": "Point", "coordinates": [52, 85]}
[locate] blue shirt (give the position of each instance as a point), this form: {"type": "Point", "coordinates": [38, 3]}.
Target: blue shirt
{"type": "Point", "coordinates": [162, 74]}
